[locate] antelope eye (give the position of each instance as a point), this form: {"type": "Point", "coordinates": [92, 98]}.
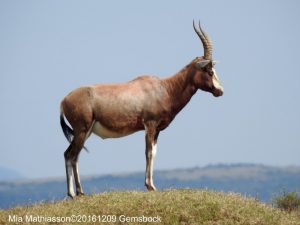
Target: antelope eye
{"type": "Point", "coordinates": [210, 72]}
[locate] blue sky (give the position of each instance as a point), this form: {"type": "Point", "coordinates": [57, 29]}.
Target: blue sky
{"type": "Point", "coordinates": [48, 48]}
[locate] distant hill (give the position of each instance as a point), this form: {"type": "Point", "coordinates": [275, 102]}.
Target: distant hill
{"type": "Point", "coordinates": [9, 174]}
{"type": "Point", "coordinates": [259, 181]}
{"type": "Point", "coordinates": [180, 206]}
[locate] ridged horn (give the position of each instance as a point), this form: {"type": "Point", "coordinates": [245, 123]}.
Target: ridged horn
{"type": "Point", "coordinates": [207, 44]}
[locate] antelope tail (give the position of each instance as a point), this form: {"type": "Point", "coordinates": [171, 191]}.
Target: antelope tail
{"type": "Point", "coordinates": [68, 131]}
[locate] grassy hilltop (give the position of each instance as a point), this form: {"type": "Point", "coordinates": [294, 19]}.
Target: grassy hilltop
{"type": "Point", "coordinates": [183, 206]}
{"type": "Point", "coordinates": [259, 181]}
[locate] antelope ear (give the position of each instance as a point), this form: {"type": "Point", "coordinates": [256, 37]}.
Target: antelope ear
{"type": "Point", "coordinates": [202, 63]}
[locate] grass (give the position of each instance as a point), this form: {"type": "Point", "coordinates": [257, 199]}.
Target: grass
{"type": "Point", "coordinates": [184, 206]}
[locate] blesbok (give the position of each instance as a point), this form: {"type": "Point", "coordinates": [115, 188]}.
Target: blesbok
{"type": "Point", "coordinates": [145, 103]}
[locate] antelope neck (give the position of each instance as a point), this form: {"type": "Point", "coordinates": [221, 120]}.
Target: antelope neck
{"type": "Point", "coordinates": [180, 87]}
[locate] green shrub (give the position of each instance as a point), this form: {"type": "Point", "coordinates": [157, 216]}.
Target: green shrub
{"type": "Point", "coordinates": [289, 201]}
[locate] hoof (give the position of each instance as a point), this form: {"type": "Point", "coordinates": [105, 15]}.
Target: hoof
{"type": "Point", "coordinates": [71, 195]}
{"type": "Point", "coordinates": [151, 187]}
{"type": "Point", "coordinates": [80, 194]}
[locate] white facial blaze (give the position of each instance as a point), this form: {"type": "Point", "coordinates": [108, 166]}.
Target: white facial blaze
{"type": "Point", "coordinates": [216, 81]}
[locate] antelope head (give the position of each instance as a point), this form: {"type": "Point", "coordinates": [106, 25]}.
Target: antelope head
{"type": "Point", "coordinates": [206, 76]}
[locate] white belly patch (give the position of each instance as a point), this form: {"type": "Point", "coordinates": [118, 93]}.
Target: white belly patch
{"type": "Point", "coordinates": [103, 132]}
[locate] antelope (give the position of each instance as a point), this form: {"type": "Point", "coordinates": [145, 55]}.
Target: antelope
{"type": "Point", "coordinates": [145, 103]}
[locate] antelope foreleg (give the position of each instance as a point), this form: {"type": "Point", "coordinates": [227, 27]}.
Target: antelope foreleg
{"type": "Point", "coordinates": [151, 140]}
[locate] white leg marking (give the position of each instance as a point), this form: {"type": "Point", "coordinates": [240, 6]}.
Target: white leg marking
{"type": "Point", "coordinates": [154, 150]}
{"type": "Point", "coordinates": [70, 178]}
{"type": "Point", "coordinates": [152, 154]}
